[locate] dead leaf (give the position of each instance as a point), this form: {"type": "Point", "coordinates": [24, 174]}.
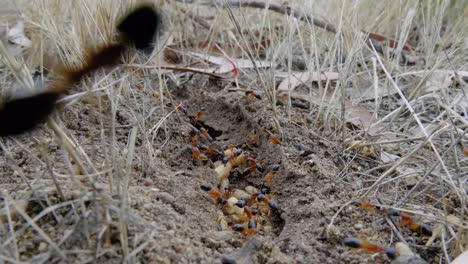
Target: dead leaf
{"type": "Point", "coordinates": [387, 157]}
{"type": "Point", "coordinates": [391, 43]}
{"type": "Point", "coordinates": [357, 115]}
{"type": "Point", "coordinates": [297, 78]}
{"type": "Point", "coordinates": [16, 35]}
{"type": "Point", "coordinates": [226, 65]}
{"type": "Point", "coordinates": [245, 64]}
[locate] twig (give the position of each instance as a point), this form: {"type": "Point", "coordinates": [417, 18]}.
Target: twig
{"type": "Point", "coordinates": [282, 9]}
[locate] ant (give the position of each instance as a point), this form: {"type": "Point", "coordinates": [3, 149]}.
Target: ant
{"type": "Point", "coordinates": [195, 119]}
{"type": "Point", "coordinates": [267, 179]}
{"type": "Point", "coordinates": [205, 135]}
{"type": "Point", "coordinates": [21, 114]}
{"type": "Point", "coordinates": [407, 221]}
{"type": "Point", "coordinates": [272, 203]}
{"type": "Point", "coordinates": [193, 136]}
{"type": "Point", "coordinates": [368, 246]}
{"type": "Point", "coordinates": [249, 231]}
{"type": "Point", "coordinates": [214, 152]}
{"type": "Point", "coordinates": [247, 211]}
{"type": "Point", "coordinates": [197, 154]}
{"type": "Point", "coordinates": [365, 205]}
{"type": "Point", "coordinates": [253, 93]}
{"type": "Point", "coordinates": [272, 138]}
{"type": "Point", "coordinates": [253, 137]}
{"type": "Point", "coordinates": [216, 195]}
{"type": "Point", "coordinates": [255, 165]}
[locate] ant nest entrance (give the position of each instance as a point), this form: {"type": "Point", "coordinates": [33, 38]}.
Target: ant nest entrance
{"type": "Point", "coordinates": [242, 207]}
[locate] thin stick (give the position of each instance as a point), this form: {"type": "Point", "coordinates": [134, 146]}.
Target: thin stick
{"type": "Point", "coordinates": [282, 9]}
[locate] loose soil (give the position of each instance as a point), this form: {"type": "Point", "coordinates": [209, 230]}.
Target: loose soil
{"type": "Point", "coordinates": [171, 220]}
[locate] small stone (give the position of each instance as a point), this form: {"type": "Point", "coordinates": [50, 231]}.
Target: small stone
{"type": "Point", "coordinates": [409, 260]}
{"type": "Point", "coordinates": [42, 246]}
{"type": "Point", "coordinates": [358, 226]}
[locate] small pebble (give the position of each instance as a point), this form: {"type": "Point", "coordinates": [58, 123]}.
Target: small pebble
{"type": "Point", "coordinates": [358, 226]}
{"type": "Point", "coordinates": [42, 246]}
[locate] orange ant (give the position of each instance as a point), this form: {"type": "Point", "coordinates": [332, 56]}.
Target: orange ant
{"type": "Point", "coordinates": [370, 247]}
{"type": "Point", "coordinates": [272, 203]}
{"type": "Point", "coordinates": [193, 136]}
{"type": "Point", "coordinates": [272, 138]}
{"type": "Point", "coordinates": [216, 195]}
{"type": "Point", "coordinates": [253, 137]}
{"type": "Point", "coordinates": [249, 231]}
{"type": "Point", "coordinates": [407, 221]}
{"type": "Point", "coordinates": [255, 165]}
{"type": "Point", "coordinates": [213, 151]}
{"type": "Point", "coordinates": [365, 205]}
{"type": "Point", "coordinates": [197, 154]}
{"type": "Point", "coordinates": [204, 134]}
{"type": "Point", "coordinates": [196, 118]}
{"type": "Point", "coordinates": [156, 95]}
{"type": "Point", "coordinates": [230, 148]}
{"type": "Point", "coordinates": [253, 93]}
{"type": "Point", "coordinates": [247, 211]}
{"type": "Point", "coordinates": [233, 153]}
{"type": "Point", "coordinates": [267, 179]}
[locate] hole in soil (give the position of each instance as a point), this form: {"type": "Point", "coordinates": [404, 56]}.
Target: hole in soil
{"type": "Point", "coordinates": [277, 222]}
{"type": "Point", "coordinates": [267, 215]}
{"type": "Point", "coordinates": [211, 131]}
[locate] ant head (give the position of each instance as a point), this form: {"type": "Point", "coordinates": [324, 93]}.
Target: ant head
{"type": "Point", "coordinates": [394, 212]}
{"type": "Point", "coordinates": [238, 227]}
{"type": "Point", "coordinates": [273, 205]}
{"type": "Point", "coordinates": [352, 242]}
{"type": "Point", "coordinates": [193, 132]}
{"type": "Point", "coordinates": [222, 201]}
{"type": "Point", "coordinates": [391, 252]}
{"type": "Point", "coordinates": [275, 167]}
{"type": "Point", "coordinates": [260, 167]}
{"type": "Point", "coordinates": [265, 190]}
{"type": "Point", "coordinates": [206, 187]}
{"type": "Point", "coordinates": [356, 202]}
{"type": "Point", "coordinates": [226, 160]}
{"type": "Point", "coordinates": [426, 229]}
{"type": "Point", "coordinates": [252, 224]}
{"type": "Point", "coordinates": [241, 203]}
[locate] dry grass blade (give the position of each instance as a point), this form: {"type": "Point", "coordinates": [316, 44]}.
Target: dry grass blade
{"type": "Point", "coordinates": [267, 87]}
{"type": "Point", "coordinates": [33, 224]}
{"type": "Point", "coordinates": [363, 100]}
{"type": "Point", "coordinates": [283, 9]}
{"type": "Point", "coordinates": [421, 126]}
